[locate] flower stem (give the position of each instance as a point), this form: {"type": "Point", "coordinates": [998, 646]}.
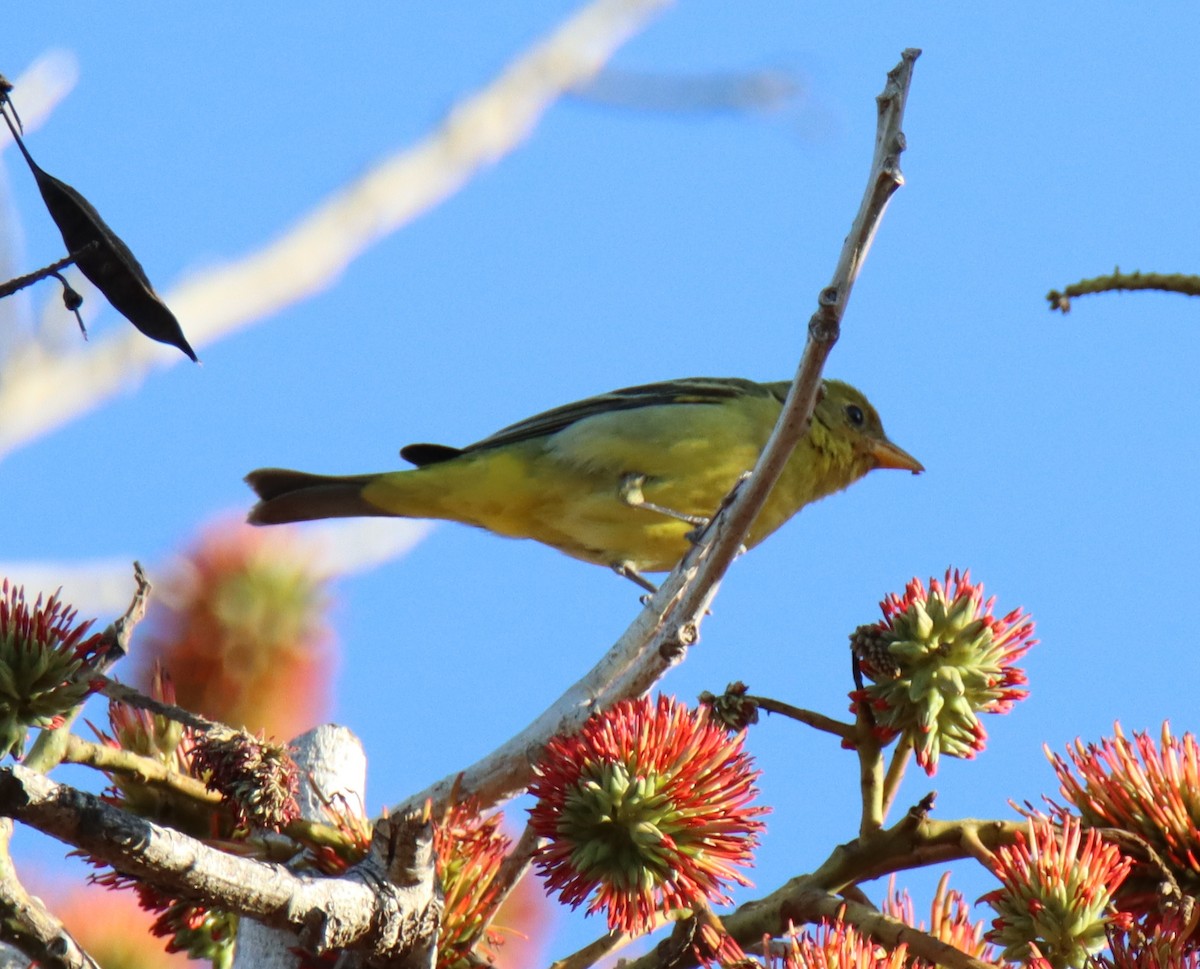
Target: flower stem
{"type": "Point", "coordinates": [895, 772]}
{"type": "Point", "coordinates": [870, 772]}
{"type": "Point", "coordinates": [817, 721]}
{"type": "Point", "coordinates": [144, 769]}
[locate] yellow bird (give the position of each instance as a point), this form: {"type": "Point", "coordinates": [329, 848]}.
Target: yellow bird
{"type": "Point", "coordinates": [621, 479]}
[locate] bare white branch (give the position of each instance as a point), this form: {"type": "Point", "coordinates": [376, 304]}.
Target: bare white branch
{"type": "Point", "coordinates": [380, 906]}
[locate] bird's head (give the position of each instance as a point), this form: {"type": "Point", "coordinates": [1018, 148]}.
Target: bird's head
{"type": "Point", "coordinates": [850, 419]}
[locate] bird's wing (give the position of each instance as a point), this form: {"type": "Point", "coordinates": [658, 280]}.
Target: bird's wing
{"type": "Point", "coordinates": [689, 390]}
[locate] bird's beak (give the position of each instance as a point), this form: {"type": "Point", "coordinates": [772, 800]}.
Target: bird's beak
{"type": "Point", "coordinates": [887, 455]}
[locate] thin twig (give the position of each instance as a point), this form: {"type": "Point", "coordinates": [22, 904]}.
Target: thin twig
{"type": "Point", "coordinates": [122, 693]}
{"type": "Point", "coordinates": [17, 283]}
{"type": "Point", "coordinates": [895, 772]}
{"type": "Point", "coordinates": [725, 534]}
{"type": "Point", "coordinates": [512, 870]}
{"type": "Point", "coordinates": [810, 718]}
{"type": "Point", "coordinates": [1186, 284]}
{"type": "Point", "coordinates": [593, 952]}
{"type": "Point", "coordinates": [144, 770]}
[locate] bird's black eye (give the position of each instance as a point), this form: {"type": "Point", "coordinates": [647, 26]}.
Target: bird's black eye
{"type": "Point", "coordinates": [854, 412]}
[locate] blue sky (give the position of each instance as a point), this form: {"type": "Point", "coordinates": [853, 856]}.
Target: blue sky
{"type": "Point", "coordinates": [617, 246]}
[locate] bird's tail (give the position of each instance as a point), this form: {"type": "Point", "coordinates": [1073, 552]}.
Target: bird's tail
{"type": "Point", "coordinates": [296, 496]}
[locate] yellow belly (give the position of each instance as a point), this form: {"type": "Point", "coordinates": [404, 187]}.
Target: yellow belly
{"type": "Point", "coordinates": [520, 495]}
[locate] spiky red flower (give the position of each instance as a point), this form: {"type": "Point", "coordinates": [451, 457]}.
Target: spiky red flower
{"type": "Point", "coordinates": [1056, 892]}
{"type": "Point", "coordinates": [351, 822]}
{"type": "Point", "coordinates": [712, 945]}
{"type": "Point", "coordinates": [646, 809]}
{"type": "Point", "coordinates": [45, 662]}
{"type": "Point", "coordinates": [150, 734]}
{"type": "Point", "coordinates": [938, 659]}
{"type": "Point", "coordinates": [950, 920]}
{"type": "Point", "coordinates": [256, 779]}
{"type": "Point", "coordinates": [161, 739]}
{"type": "Point", "coordinates": [1151, 790]}
{"type": "Point", "coordinates": [188, 927]}
{"type": "Point", "coordinates": [470, 850]}
{"type": "Point", "coordinates": [832, 945]}
{"type": "Point", "coordinates": [1167, 946]}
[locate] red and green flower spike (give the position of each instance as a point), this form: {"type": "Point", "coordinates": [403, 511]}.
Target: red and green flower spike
{"type": "Point", "coordinates": [939, 659]}
{"type": "Point", "coordinates": [1167, 946]}
{"type": "Point", "coordinates": [202, 933]}
{"type": "Point", "coordinates": [833, 945]}
{"type": "Point", "coordinates": [1056, 894]}
{"type": "Point", "coordinates": [950, 920]}
{"type": "Point", "coordinates": [470, 850]}
{"type": "Point", "coordinates": [646, 810]}
{"type": "Point", "coordinates": [46, 662]}
{"type": "Point", "coordinates": [151, 734]}
{"type": "Point", "coordinates": [158, 738]}
{"type": "Point", "coordinates": [350, 821]}
{"type": "Point", "coordinates": [1150, 790]}
{"type": "Point", "coordinates": [257, 779]}
{"type": "Point", "coordinates": [240, 622]}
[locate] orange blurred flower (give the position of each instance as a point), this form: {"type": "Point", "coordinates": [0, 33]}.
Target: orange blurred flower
{"type": "Point", "coordinates": [240, 626]}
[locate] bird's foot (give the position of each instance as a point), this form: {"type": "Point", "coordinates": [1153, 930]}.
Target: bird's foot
{"type": "Point", "coordinates": [696, 534]}
{"type": "Point", "coordinates": [702, 524]}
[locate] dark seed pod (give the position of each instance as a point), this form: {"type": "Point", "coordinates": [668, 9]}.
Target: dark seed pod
{"type": "Point", "coordinates": [104, 258]}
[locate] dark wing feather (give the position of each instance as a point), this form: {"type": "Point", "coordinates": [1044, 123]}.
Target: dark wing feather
{"type": "Point", "coordinates": [689, 390]}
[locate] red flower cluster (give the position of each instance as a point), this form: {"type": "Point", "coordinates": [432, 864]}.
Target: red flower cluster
{"type": "Point", "coordinates": [1055, 899]}
{"type": "Point", "coordinates": [938, 659]}
{"type": "Point", "coordinates": [45, 659]}
{"type": "Point", "coordinates": [646, 808]}
{"type": "Point", "coordinates": [470, 850]}
{"type": "Point", "coordinates": [950, 920]}
{"type": "Point", "coordinates": [832, 945]}
{"type": "Point", "coordinates": [1150, 790]}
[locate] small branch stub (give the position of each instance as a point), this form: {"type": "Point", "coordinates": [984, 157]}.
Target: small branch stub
{"type": "Point", "coordinates": [1183, 283]}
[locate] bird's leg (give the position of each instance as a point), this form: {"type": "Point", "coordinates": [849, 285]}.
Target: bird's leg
{"type": "Point", "coordinates": [626, 570]}
{"type": "Point", "coordinates": [630, 492]}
